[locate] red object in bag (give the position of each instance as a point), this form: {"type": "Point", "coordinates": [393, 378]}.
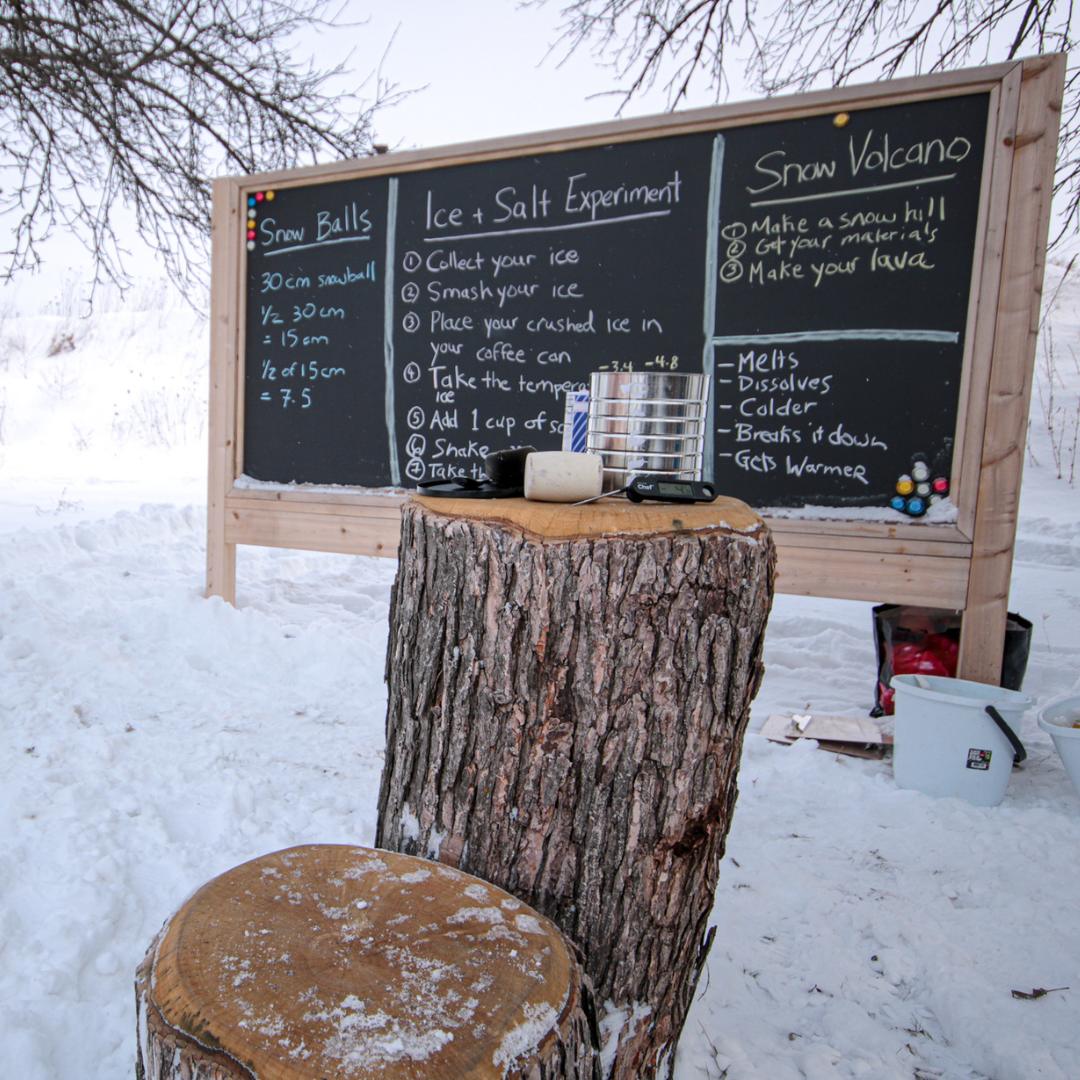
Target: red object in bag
{"type": "Point", "coordinates": [946, 649]}
{"type": "Point", "coordinates": [911, 658]}
{"type": "Point", "coordinates": [926, 641]}
{"type": "Point", "coordinates": [935, 654]}
{"type": "Point", "coordinates": [886, 699]}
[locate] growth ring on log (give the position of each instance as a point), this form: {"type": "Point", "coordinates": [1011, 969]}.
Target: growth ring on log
{"type": "Point", "coordinates": [333, 961]}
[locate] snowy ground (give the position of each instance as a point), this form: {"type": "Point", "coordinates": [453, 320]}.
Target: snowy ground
{"type": "Point", "coordinates": [150, 739]}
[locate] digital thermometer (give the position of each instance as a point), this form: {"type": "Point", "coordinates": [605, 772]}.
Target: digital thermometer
{"type": "Point", "coordinates": [661, 489]}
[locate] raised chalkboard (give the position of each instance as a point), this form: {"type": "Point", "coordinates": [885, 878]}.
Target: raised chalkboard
{"type": "Point", "coordinates": [843, 273]}
{"type": "Point", "coordinates": [400, 327]}
{"type": "Point", "coordinates": [314, 371]}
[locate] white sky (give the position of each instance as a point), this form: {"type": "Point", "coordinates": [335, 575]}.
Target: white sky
{"type": "Point", "coordinates": [487, 69]}
{"type": "Point", "coordinates": [480, 69]}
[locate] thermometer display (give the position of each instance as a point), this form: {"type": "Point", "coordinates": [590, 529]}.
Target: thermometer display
{"type": "Point", "coordinates": [675, 491]}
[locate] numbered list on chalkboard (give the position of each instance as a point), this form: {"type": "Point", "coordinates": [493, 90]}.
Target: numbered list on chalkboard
{"type": "Point", "coordinates": [399, 328]}
{"type": "Point", "coordinates": [843, 271]}
{"type": "Point", "coordinates": [517, 279]}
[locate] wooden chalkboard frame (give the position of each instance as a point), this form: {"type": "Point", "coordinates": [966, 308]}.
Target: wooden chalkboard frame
{"type": "Point", "coordinates": [964, 566]}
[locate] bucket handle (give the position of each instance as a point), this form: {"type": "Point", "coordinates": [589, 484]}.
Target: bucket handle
{"type": "Point", "coordinates": [1019, 753]}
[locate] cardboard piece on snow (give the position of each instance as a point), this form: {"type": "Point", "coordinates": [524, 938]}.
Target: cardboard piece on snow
{"type": "Point", "coordinates": [855, 736]}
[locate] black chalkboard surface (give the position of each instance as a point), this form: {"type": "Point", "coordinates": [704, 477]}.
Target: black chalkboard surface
{"type": "Point", "coordinates": [400, 327]}
{"type": "Point", "coordinates": [518, 278]}
{"type": "Point", "coordinates": [314, 360]}
{"type": "Point", "coordinates": [843, 274]}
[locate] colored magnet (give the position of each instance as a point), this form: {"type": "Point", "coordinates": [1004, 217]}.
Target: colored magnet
{"type": "Point", "coordinates": [920, 470]}
{"type": "Point", "coordinates": [922, 489]}
{"type": "Point", "coordinates": [251, 200]}
{"type": "Point", "coordinates": [259, 196]}
{"type": "Point", "coordinates": [841, 120]}
{"type": "Point", "coordinates": [916, 507]}
{"type": "Point", "coordinates": [251, 234]}
{"type": "Point", "coordinates": [897, 502]}
{"type": "Point", "coordinates": [905, 485]}
{"type": "Point", "coordinates": [941, 485]}
{"type": "Point", "coordinates": [270, 196]}
{"type": "Point", "coordinates": [251, 245]}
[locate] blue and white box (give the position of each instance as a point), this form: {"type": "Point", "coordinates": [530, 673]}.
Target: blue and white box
{"type": "Point", "coordinates": [576, 422]}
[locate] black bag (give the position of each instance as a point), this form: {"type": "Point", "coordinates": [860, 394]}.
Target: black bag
{"type": "Point", "coordinates": [902, 632]}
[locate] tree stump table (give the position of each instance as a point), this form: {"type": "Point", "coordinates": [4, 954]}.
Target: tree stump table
{"type": "Point", "coordinates": [568, 691]}
{"type": "Point", "coordinates": [330, 961]}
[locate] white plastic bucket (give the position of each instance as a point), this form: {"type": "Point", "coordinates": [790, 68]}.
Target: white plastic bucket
{"type": "Point", "coordinates": [1058, 719]}
{"type": "Point", "coordinates": [946, 744]}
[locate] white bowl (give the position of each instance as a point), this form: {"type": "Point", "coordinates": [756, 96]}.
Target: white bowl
{"type": "Point", "coordinates": [1057, 719]}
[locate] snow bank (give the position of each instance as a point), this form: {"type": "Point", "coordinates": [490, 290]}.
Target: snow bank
{"type": "Point", "coordinates": [151, 739]}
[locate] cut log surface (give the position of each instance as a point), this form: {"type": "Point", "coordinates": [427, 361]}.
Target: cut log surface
{"type": "Point", "coordinates": [609, 517]}
{"type": "Point", "coordinates": [568, 689]}
{"type": "Point", "coordinates": [332, 961]}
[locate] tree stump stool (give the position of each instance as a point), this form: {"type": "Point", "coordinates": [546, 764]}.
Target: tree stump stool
{"type": "Point", "coordinates": [568, 692]}
{"type": "Point", "coordinates": [331, 961]}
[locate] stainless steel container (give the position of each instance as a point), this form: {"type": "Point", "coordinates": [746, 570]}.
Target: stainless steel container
{"type": "Point", "coordinates": [646, 408]}
{"type": "Point", "coordinates": [645, 426]}
{"type": "Point", "coordinates": [653, 385]}
{"type": "Point", "coordinates": [648, 423]}
{"type": "Point", "coordinates": [653, 463]}
{"type": "Point", "coordinates": [617, 478]}
{"type": "Point", "coordinates": [605, 442]}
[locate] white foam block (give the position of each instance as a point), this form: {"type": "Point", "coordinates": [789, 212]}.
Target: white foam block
{"type": "Point", "coordinates": [557, 476]}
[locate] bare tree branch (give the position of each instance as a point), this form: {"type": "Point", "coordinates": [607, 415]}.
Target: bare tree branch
{"type": "Point", "coordinates": [794, 45]}
{"type": "Point", "coordinates": [141, 102]}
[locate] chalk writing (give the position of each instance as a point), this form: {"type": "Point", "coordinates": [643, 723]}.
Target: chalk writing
{"type": "Point", "coordinates": [842, 267]}
{"type": "Point", "coordinates": [401, 328]}
{"type": "Point", "coordinates": [509, 315]}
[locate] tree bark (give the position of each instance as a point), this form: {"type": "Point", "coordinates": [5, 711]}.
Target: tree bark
{"type": "Point", "coordinates": [565, 717]}
{"type": "Point", "coordinates": [330, 961]}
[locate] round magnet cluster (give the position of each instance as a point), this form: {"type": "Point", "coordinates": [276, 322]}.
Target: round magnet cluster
{"type": "Point", "coordinates": [254, 201]}
{"type": "Point", "coordinates": [918, 489]}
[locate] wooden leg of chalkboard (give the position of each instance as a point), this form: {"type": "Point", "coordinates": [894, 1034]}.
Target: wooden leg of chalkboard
{"type": "Point", "coordinates": [223, 465]}
{"type": "Point", "coordinates": [220, 568]}
{"type": "Point", "coordinates": [1009, 392]}
{"type": "Point", "coordinates": [982, 641]}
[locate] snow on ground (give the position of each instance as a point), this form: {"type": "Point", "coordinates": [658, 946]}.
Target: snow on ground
{"type": "Point", "coordinates": [150, 739]}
